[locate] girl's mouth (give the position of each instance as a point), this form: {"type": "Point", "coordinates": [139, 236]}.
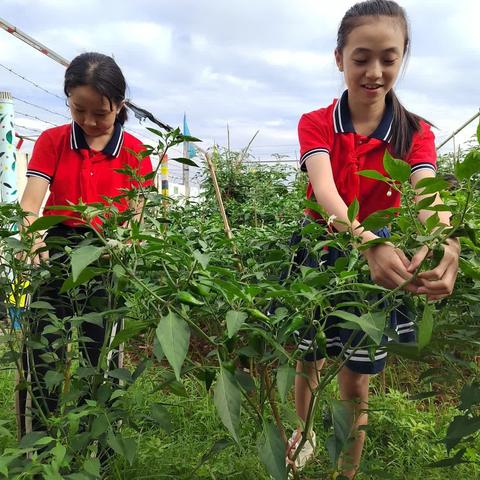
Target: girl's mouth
{"type": "Point", "coordinates": [371, 87]}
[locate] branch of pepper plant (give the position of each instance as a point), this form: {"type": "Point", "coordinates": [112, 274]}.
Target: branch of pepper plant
{"type": "Point", "coordinates": [329, 377]}
{"type": "Point", "coordinates": [273, 405]}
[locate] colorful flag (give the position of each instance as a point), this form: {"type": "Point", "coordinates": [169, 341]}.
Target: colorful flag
{"type": "Point", "coordinates": [186, 131]}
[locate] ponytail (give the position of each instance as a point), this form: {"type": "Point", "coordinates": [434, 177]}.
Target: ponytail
{"type": "Point", "coordinates": [404, 125]}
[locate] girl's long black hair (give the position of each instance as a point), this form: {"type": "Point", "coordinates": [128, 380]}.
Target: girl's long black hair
{"type": "Point", "coordinates": [101, 73]}
{"type": "Point", "coordinates": [405, 123]}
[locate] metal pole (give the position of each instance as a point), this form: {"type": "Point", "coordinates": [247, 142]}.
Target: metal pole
{"type": "Point", "coordinates": [8, 158]}
{"type": "Point", "coordinates": [186, 171]}
{"type": "Point", "coordinates": [468, 122]}
{"type": "Point", "coordinates": [32, 42]}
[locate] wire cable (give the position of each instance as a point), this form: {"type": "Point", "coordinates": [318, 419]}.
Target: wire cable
{"type": "Point", "coordinates": [36, 118]}
{"type": "Point", "coordinates": [41, 108]}
{"type": "Point", "coordinates": [32, 82]}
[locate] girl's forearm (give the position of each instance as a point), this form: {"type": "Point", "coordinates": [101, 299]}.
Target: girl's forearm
{"type": "Point", "coordinates": [327, 196]}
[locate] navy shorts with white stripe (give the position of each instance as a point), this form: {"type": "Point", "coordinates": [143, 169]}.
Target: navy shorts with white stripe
{"type": "Point", "coordinates": [362, 360]}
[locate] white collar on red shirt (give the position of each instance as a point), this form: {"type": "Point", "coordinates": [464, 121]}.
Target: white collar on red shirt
{"type": "Point", "coordinates": [113, 147]}
{"type": "Point", "coordinates": [342, 120]}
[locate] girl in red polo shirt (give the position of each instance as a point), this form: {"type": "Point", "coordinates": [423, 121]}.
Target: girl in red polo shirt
{"type": "Point", "coordinates": [78, 163]}
{"type": "Point", "coordinates": [350, 135]}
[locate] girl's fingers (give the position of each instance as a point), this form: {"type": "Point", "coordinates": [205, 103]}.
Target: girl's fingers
{"type": "Point", "coordinates": [403, 258]}
{"type": "Point", "coordinates": [417, 259]}
{"type": "Point", "coordinates": [444, 286]}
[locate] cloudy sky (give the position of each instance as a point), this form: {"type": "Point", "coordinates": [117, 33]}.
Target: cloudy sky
{"type": "Point", "coordinates": [251, 65]}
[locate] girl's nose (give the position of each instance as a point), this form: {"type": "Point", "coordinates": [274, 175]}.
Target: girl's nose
{"type": "Point", "coordinates": [374, 70]}
{"type": "Point", "coordinates": [90, 121]}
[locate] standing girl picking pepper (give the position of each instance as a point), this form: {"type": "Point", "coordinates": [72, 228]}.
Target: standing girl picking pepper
{"type": "Point", "coordinates": [84, 162]}
{"type": "Point", "coordinates": [336, 142]}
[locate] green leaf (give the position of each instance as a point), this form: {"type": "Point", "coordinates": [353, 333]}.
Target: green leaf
{"type": "Point", "coordinates": [53, 378]}
{"type": "Point", "coordinates": [425, 202]}
{"type": "Point", "coordinates": [99, 426]}
{"type": "Point", "coordinates": [185, 161]}
{"type": "Point", "coordinates": [468, 269]}
{"type": "Point", "coordinates": [34, 438]}
{"type": "Point", "coordinates": [41, 305]}
{"type": "Point", "coordinates": [216, 448]}
{"type": "Point", "coordinates": [84, 277]}
{"type": "Point", "coordinates": [469, 166]}
{"type": "Point", "coordinates": [155, 131]}
{"type": "Point", "coordinates": [470, 396]}
{"type": "Point", "coordinates": [157, 350]}
{"type": "Point", "coordinates": [285, 379]}
{"type": "Point", "coordinates": [373, 324]}
{"type": "Point", "coordinates": [353, 210]}
{"type": "Point", "coordinates": [92, 467]}
{"type": "Point", "coordinates": [430, 185]}
{"type": "Point", "coordinates": [425, 327]}
{"type": "Point", "coordinates": [342, 420]}
{"type": "Point", "coordinates": [48, 221]}
{"type": "Point", "coordinates": [235, 319]}
{"type": "Point", "coordinates": [374, 175]}
{"type": "Point", "coordinates": [202, 258]}
{"type": "Point", "coordinates": [59, 452]}
{"type": "Point", "coordinates": [130, 330]}
{"type": "Point", "coordinates": [189, 138]}
{"type": "Point", "coordinates": [126, 447]}
{"type": "Point", "coordinates": [380, 219]}
{"type": "Point", "coordinates": [174, 337]}
{"type": "Point", "coordinates": [271, 451]}
{"type": "Point", "coordinates": [397, 169]}
{"type": "Point", "coordinates": [450, 462]}
{"type": "Point", "coordinates": [82, 257]}
{"type": "Point", "coordinates": [161, 416]}
{"type": "Point", "coordinates": [227, 400]}
{"type": "Point", "coordinates": [460, 428]}
{"type": "Point", "coordinates": [432, 222]}
{"type": "Point", "coordinates": [121, 374]}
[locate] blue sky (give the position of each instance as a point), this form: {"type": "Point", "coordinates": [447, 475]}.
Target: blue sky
{"type": "Point", "coordinates": [254, 65]}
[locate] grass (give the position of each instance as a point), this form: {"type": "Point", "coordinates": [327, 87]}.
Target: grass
{"type": "Point", "coordinates": [403, 437]}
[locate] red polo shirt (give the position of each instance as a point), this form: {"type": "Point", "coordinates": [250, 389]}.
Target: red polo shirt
{"type": "Point", "coordinates": [330, 130]}
{"type": "Point", "coordinates": [76, 173]}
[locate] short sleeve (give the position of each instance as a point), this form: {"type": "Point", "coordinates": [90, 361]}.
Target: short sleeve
{"type": "Point", "coordinates": [423, 155]}
{"type": "Point", "coordinates": [314, 136]}
{"type": "Point", "coordinates": [44, 158]}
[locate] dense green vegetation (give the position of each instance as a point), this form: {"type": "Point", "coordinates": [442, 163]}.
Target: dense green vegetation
{"type": "Point", "coordinates": [206, 389]}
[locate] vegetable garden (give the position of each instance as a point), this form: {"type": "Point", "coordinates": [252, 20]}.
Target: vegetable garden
{"type": "Point", "coordinates": [205, 388]}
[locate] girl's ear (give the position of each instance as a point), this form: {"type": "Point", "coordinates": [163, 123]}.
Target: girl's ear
{"type": "Point", "coordinates": [339, 59]}
{"type": "Point", "coordinates": [120, 106]}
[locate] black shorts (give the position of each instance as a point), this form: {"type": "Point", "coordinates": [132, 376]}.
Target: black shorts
{"type": "Point", "coordinates": [363, 357]}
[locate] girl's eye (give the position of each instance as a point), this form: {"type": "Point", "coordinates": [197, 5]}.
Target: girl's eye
{"type": "Point", "coordinates": [389, 62]}
{"type": "Point", "coordinates": [359, 61]}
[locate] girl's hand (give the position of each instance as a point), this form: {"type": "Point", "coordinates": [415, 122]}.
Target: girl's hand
{"type": "Point", "coordinates": [438, 282]}
{"type": "Point", "coordinates": [41, 256]}
{"type": "Point", "coordinates": [389, 266]}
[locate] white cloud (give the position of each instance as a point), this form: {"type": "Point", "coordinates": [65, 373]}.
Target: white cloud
{"type": "Point", "coordinates": [254, 65]}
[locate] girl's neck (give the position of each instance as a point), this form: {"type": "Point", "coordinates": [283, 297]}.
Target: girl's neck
{"type": "Point", "coordinates": [98, 143]}
{"type": "Point", "coordinates": [366, 118]}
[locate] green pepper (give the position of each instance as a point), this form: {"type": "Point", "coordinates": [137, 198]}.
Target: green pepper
{"type": "Point", "coordinates": [295, 324]}
{"type": "Point", "coordinates": [188, 298]}
{"type": "Point", "coordinates": [201, 289]}
{"type": "Point", "coordinates": [321, 341]}
{"type": "Point", "coordinates": [255, 313]}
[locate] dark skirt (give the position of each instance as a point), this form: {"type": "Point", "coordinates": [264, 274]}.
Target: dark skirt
{"type": "Point", "coordinates": [363, 356]}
